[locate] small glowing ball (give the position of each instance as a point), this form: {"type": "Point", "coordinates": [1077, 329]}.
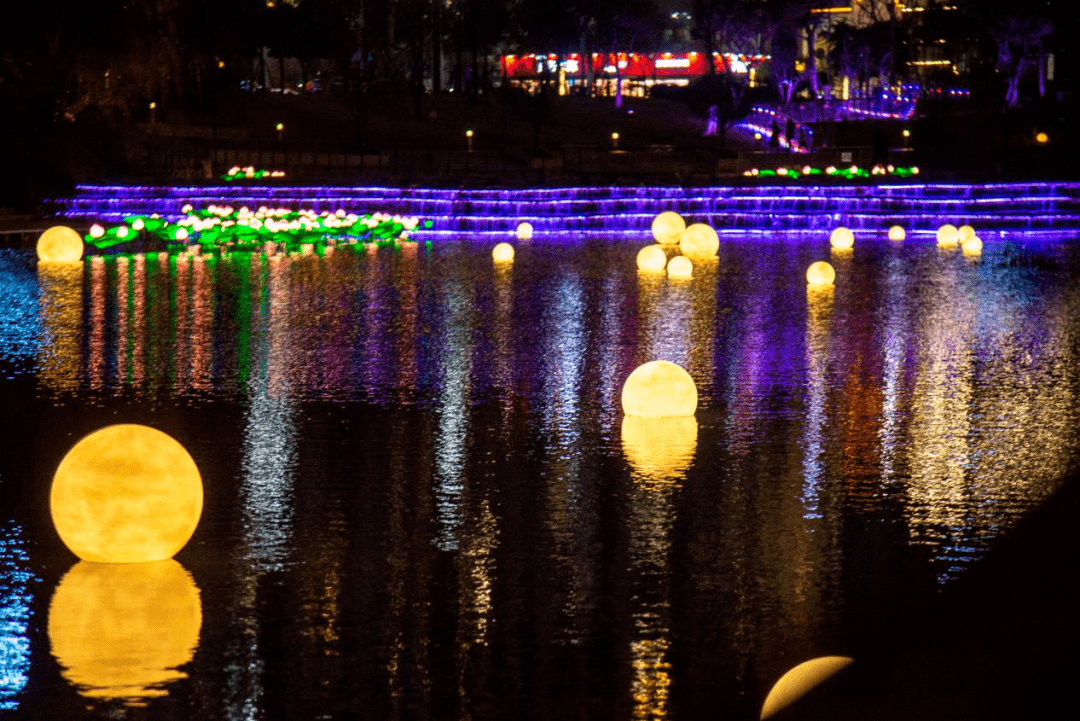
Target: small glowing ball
{"type": "Point", "coordinates": [667, 227]}
{"type": "Point", "coordinates": [122, 231]}
{"type": "Point", "coordinates": [948, 235]}
{"type": "Point", "coordinates": [1042, 138]}
{"type": "Point", "coordinates": [972, 246]}
{"type": "Point", "coordinates": [659, 388]}
{"type": "Point", "coordinates": [897, 233]}
{"type": "Point", "coordinates": [680, 268]}
{"type": "Point", "coordinates": [126, 494]}
{"type": "Point", "coordinates": [800, 680]}
{"type": "Point", "coordinates": [842, 238]}
{"type": "Point", "coordinates": [60, 244]}
{"type": "Point", "coordinates": [652, 259]}
{"type": "Point", "coordinates": [524, 231]}
{"type": "Point", "coordinates": [96, 231]}
{"type": "Point", "coordinates": [964, 232]}
{"type": "Point", "coordinates": [138, 224]}
{"type": "Point", "coordinates": [121, 631]}
{"type": "Point", "coordinates": [181, 234]}
{"type": "Point", "coordinates": [820, 273]}
{"type": "Point", "coordinates": [699, 242]}
{"type": "Point", "coordinates": [503, 253]}
{"type": "Point", "coordinates": [660, 449]}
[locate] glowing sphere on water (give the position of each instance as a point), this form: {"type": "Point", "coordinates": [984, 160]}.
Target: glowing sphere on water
{"type": "Point", "coordinates": [964, 232]}
{"type": "Point", "coordinates": [652, 259]}
{"type": "Point", "coordinates": [667, 227]}
{"type": "Point", "coordinates": [660, 449]}
{"type": "Point", "coordinates": [948, 235]}
{"type": "Point", "coordinates": [800, 680]}
{"type": "Point", "coordinates": [126, 494]}
{"type": "Point", "coordinates": [972, 246]}
{"type": "Point", "coordinates": [659, 388]}
{"type": "Point", "coordinates": [524, 231]}
{"type": "Point", "coordinates": [121, 631]}
{"type": "Point", "coordinates": [680, 268]}
{"type": "Point", "coordinates": [503, 253]}
{"type": "Point", "coordinates": [897, 233]}
{"type": "Point", "coordinates": [842, 238]}
{"type": "Point", "coordinates": [699, 242]}
{"type": "Point", "coordinates": [820, 273]}
{"type": "Point", "coordinates": [60, 244]}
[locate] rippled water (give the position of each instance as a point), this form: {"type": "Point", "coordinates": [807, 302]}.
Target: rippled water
{"type": "Point", "coordinates": [422, 499]}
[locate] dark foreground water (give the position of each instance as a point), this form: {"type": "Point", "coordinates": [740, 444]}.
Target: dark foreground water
{"type": "Point", "coordinates": [423, 501]}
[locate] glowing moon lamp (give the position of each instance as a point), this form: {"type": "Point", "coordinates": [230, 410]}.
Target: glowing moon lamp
{"type": "Point", "coordinates": [503, 253]}
{"type": "Point", "coordinates": [126, 494]}
{"type": "Point", "coordinates": [652, 259]}
{"type": "Point", "coordinates": [60, 244]}
{"type": "Point", "coordinates": [524, 231]}
{"type": "Point", "coordinates": [820, 273]}
{"type": "Point", "coordinates": [699, 242]}
{"type": "Point", "coordinates": [897, 233]}
{"type": "Point", "coordinates": [659, 388]}
{"type": "Point", "coordinates": [800, 680]}
{"type": "Point", "coordinates": [842, 238]}
{"type": "Point", "coordinates": [660, 449]}
{"type": "Point", "coordinates": [680, 268]}
{"type": "Point", "coordinates": [948, 236]}
{"type": "Point", "coordinates": [972, 246]}
{"type": "Point", "coordinates": [964, 232]}
{"type": "Point", "coordinates": [121, 631]}
{"type": "Point", "coordinates": [667, 227]}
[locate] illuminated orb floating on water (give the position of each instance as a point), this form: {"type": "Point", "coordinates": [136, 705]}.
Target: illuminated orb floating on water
{"type": "Point", "coordinates": [964, 232]}
{"type": "Point", "coordinates": [800, 680]}
{"type": "Point", "coordinates": [503, 253]}
{"type": "Point", "coordinates": [897, 233]}
{"type": "Point", "coordinates": [524, 231]}
{"type": "Point", "coordinates": [126, 494]}
{"type": "Point", "coordinates": [121, 631]}
{"type": "Point", "coordinates": [842, 238]}
{"type": "Point", "coordinates": [60, 244]}
{"type": "Point", "coordinates": [699, 242]}
{"type": "Point", "coordinates": [948, 235]}
{"type": "Point", "coordinates": [820, 273]}
{"type": "Point", "coordinates": [667, 227]}
{"type": "Point", "coordinates": [652, 259]}
{"type": "Point", "coordinates": [972, 246]}
{"type": "Point", "coordinates": [680, 268]}
{"type": "Point", "coordinates": [659, 388]}
{"type": "Point", "coordinates": [660, 449]}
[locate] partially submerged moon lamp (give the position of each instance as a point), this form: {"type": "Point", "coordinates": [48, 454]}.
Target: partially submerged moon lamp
{"type": "Point", "coordinates": [699, 242]}
{"type": "Point", "coordinates": [126, 494]}
{"type": "Point", "coordinates": [667, 227]}
{"type": "Point", "coordinates": [820, 273]}
{"type": "Point", "coordinates": [503, 253]}
{"type": "Point", "coordinates": [121, 631]}
{"type": "Point", "coordinates": [964, 232]}
{"type": "Point", "coordinates": [842, 238]}
{"type": "Point", "coordinates": [948, 236]}
{"type": "Point", "coordinates": [660, 449]}
{"type": "Point", "coordinates": [659, 388]}
{"type": "Point", "coordinates": [680, 268]}
{"type": "Point", "coordinates": [972, 246]}
{"type": "Point", "coordinates": [60, 244]}
{"type": "Point", "coordinates": [897, 233]}
{"type": "Point", "coordinates": [524, 231]}
{"type": "Point", "coordinates": [652, 259]}
{"type": "Point", "coordinates": [800, 680]}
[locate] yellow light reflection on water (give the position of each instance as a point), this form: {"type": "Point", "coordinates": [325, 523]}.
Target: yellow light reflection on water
{"type": "Point", "coordinates": [60, 305]}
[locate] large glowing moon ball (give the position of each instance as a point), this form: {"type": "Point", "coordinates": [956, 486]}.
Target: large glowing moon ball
{"type": "Point", "coordinates": [126, 494]}
{"type": "Point", "coordinates": [842, 238]}
{"type": "Point", "coordinates": [503, 253]}
{"type": "Point", "coordinates": [897, 233]}
{"type": "Point", "coordinates": [964, 232]}
{"type": "Point", "coordinates": [652, 259]}
{"type": "Point", "coordinates": [60, 244]}
{"type": "Point", "coordinates": [972, 246]}
{"type": "Point", "coordinates": [948, 236]}
{"type": "Point", "coordinates": [820, 273]}
{"type": "Point", "coordinates": [699, 242]}
{"type": "Point", "coordinates": [680, 268]}
{"type": "Point", "coordinates": [121, 631]}
{"type": "Point", "coordinates": [525, 231]}
{"type": "Point", "coordinates": [667, 227]}
{"type": "Point", "coordinates": [800, 680]}
{"type": "Point", "coordinates": [659, 388]}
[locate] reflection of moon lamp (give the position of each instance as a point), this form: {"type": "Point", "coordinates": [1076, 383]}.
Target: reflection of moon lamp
{"type": "Point", "coordinates": [964, 232]}
{"type": "Point", "coordinates": [503, 253]}
{"type": "Point", "coordinates": [660, 449]}
{"type": "Point", "coordinates": [972, 246]}
{"type": "Point", "coordinates": [897, 233]}
{"type": "Point", "coordinates": [60, 244]}
{"type": "Point", "coordinates": [121, 631]}
{"type": "Point", "coordinates": [667, 227]}
{"type": "Point", "coordinates": [948, 236]}
{"type": "Point", "coordinates": [800, 680]}
{"type": "Point", "coordinates": [126, 494]}
{"type": "Point", "coordinates": [680, 268]}
{"type": "Point", "coordinates": [524, 231]}
{"type": "Point", "coordinates": [699, 242]}
{"type": "Point", "coordinates": [659, 388]}
{"type": "Point", "coordinates": [652, 259]}
{"type": "Point", "coordinates": [820, 273]}
{"type": "Point", "coordinates": [842, 238]}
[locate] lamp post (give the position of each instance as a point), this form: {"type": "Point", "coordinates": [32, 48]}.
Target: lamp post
{"type": "Point", "coordinates": [280, 127]}
{"type": "Point", "coordinates": [615, 141]}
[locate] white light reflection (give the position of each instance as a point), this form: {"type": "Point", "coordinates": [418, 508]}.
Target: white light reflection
{"type": "Point", "coordinates": [819, 304]}
{"type": "Point", "coordinates": [15, 579]}
{"type": "Point", "coordinates": [455, 391]}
